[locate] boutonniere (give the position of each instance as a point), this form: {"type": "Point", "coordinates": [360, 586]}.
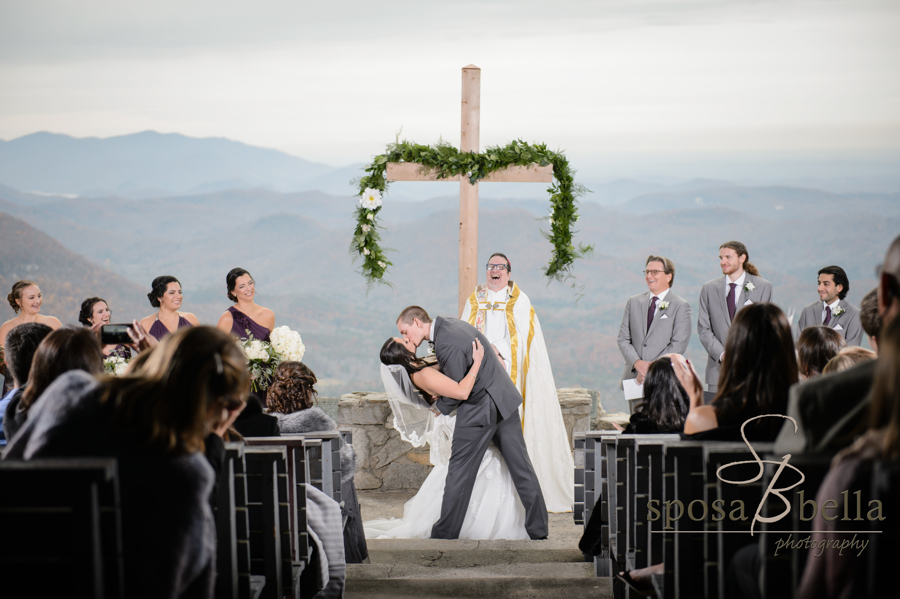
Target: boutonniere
{"type": "Point", "coordinates": [838, 311]}
{"type": "Point", "coordinates": [663, 306]}
{"type": "Point", "coordinates": [748, 287]}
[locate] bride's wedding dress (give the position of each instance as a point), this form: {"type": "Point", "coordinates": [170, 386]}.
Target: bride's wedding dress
{"type": "Point", "coordinates": [495, 511]}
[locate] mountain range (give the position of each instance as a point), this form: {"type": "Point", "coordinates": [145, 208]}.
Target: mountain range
{"type": "Point", "coordinates": [296, 245]}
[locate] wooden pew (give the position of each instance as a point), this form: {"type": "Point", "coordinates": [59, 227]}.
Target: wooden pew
{"type": "Point", "coordinates": [233, 576]}
{"type": "Point", "coordinates": [596, 492]}
{"type": "Point", "coordinates": [269, 518]}
{"type": "Point", "coordinates": [724, 538]}
{"type": "Point", "coordinates": [61, 522]}
{"type": "Point", "coordinates": [578, 505]}
{"type": "Point", "coordinates": [682, 549]}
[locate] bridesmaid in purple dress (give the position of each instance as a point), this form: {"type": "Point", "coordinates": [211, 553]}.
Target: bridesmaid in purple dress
{"type": "Point", "coordinates": [94, 313]}
{"type": "Point", "coordinates": [245, 317]}
{"type": "Point", "coordinates": [166, 295]}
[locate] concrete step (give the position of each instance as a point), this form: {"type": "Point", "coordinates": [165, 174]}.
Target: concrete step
{"type": "Point", "coordinates": [515, 581]}
{"type": "Point", "coordinates": [467, 554]}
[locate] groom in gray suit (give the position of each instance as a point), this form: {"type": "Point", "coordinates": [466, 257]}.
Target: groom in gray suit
{"type": "Point", "coordinates": [656, 322]}
{"type": "Point", "coordinates": [833, 311]}
{"type": "Point", "coordinates": [489, 414]}
{"type": "Point", "coordinates": [721, 298]}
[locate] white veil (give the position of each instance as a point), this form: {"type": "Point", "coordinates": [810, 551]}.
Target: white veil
{"type": "Point", "coordinates": [413, 417]}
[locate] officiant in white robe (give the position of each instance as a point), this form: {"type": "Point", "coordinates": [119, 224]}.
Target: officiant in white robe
{"type": "Point", "coordinates": [504, 314]}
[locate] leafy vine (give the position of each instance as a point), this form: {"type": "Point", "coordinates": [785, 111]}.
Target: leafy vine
{"type": "Point", "coordinates": [448, 161]}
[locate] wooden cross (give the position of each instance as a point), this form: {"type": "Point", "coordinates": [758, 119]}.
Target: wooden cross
{"type": "Point", "coordinates": [468, 193]}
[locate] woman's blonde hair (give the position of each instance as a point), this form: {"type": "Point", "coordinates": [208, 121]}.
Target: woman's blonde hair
{"type": "Point", "coordinates": [164, 401]}
{"type": "Point", "coordinates": [848, 358]}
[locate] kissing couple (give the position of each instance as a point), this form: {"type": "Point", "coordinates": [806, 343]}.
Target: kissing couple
{"type": "Point", "coordinates": [487, 452]}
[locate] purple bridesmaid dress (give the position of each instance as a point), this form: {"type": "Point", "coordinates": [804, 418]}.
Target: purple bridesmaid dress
{"type": "Point", "coordinates": [159, 330]}
{"type": "Point", "coordinates": [243, 324]}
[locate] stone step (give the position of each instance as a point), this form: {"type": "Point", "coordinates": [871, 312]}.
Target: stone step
{"type": "Point", "coordinates": [436, 553]}
{"type": "Point", "coordinates": [513, 581]}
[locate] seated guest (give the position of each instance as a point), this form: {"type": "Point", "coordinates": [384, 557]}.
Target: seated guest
{"type": "Point", "coordinates": [831, 411]}
{"type": "Point", "coordinates": [65, 349]}
{"type": "Point", "coordinates": [21, 343]}
{"type": "Point", "coordinates": [245, 317]}
{"type": "Point", "coordinates": [166, 295]}
{"type": "Point", "coordinates": [25, 299]}
{"type": "Point", "coordinates": [153, 421]}
{"type": "Point", "coordinates": [845, 575]}
{"type": "Point", "coordinates": [758, 368]}
{"type": "Point", "coordinates": [254, 422]}
{"type": "Point", "coordinates": [95, 313]}
{"type": "Point", "coordinates": [870, 318]}
{"type": "Point", "coordinates": [291, 397]}
{"type": "Point", "coordinates": [833, 310]}
{"type": "Point", "coordinates": [848, 358]}
{"type": "Point", "coordinates": [665, 404]}
{"type": "Point", "coordinates": [815, 347]}
{"type": "Point", "coordinates": [656, 322]}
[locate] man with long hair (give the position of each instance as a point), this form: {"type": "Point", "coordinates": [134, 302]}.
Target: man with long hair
{"type": "Point", "coordinates": [720, 299]}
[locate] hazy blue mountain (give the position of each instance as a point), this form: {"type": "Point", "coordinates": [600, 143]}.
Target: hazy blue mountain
{"type": "Point", "coordinates": [132, 164]}
{"type": "Point", "coordinates": [296, 245]}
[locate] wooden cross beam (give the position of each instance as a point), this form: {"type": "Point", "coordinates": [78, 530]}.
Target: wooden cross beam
{"type": "Point", "coordinates": [468, 193]}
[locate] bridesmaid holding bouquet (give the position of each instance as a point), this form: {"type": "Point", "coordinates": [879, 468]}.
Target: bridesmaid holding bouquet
{"type": "Point", "coordinates": [166, 295]}
{"type": "Point", "coordinates": [246, 317]}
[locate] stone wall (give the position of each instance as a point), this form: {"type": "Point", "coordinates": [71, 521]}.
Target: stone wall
{"type": "Point", "coordinates": [388, 463]}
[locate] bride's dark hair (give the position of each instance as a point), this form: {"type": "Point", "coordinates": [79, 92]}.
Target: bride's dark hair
{"type": "Point", "coordinates": [394, 353]}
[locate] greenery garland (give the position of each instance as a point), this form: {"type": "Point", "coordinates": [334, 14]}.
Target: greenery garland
{"type": "Point", "coordinates": [448, 162]}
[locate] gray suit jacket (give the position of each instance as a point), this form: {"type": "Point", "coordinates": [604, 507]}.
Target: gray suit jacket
{"type": "Point", "coordinates": [453, 347]}
{"type": "Point", "coordinates": [713, 323]}
{"type": "Point", "coordinates": [830, 411]}
{"type": "Point", "coordinates": [848, 321]}
{"type": "Point", "coordinates": [669, 332]}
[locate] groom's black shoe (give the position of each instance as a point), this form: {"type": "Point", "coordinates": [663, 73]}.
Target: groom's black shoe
{"type": "Point", "coordinates": [543, 538]}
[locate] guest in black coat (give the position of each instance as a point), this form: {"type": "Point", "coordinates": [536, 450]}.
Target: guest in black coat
{"type": "Point", "coordinates": [153, 420]}
{"type": "Point", "coordinates": [291, 396]}
{"type": "Point", "coordinates": [665, 404]}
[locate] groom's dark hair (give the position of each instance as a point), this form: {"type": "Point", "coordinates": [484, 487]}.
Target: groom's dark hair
{"type": "Point", "coordinates": [412, 312]}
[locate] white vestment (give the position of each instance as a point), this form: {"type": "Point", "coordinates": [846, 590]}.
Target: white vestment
{"type": "Point", "coordinates": [509, 322]}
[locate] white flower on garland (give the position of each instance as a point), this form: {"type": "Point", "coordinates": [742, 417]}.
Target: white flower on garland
{"type": "Point", "coordinates": [381, 264]}
{"type": "Point", "coordinates": [366, 252]}
{"type": "Point", "coordinates": [371, 199]}
{"type": "Point", "coordinates": [366, 228]}
{"type": "Point", "coordinates": [748, 287]}
{"type": "Point", "coordinates": [370, 216]}
{"type": "Point", "coordinates": [287, 343]}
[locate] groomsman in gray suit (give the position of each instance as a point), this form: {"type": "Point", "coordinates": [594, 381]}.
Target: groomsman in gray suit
{"type": "Point", "coordinates": [721, 298]}
{"type": "Point", "coordinates": [656, 322]}
{"type": "Point", "coordinates": [832, 310]}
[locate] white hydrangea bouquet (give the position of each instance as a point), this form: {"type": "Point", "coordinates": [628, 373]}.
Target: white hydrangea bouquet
{"type": "Point", "coordinates": [262, 360]}
{"type": "Point", "coordinates": [264, 356]}
{"type": "Point", "coordinates": [288, 344]}
{"type": "Point", "coordinates": [115, 365]}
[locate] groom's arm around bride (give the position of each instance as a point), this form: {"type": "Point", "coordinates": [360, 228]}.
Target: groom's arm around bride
{"type": "Point", "coordinates": [490, 413]}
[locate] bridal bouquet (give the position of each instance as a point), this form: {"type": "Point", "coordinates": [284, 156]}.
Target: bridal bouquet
{"type": "Point", "coordinates": [287, 344]}
{"type": "Point", "coordinates": [262, 360]}
{"type": "Point", "coordinates": [115, 365]}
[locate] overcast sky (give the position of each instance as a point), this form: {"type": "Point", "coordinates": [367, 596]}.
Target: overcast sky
{"type": "Point", "coordinates": [334, 81]}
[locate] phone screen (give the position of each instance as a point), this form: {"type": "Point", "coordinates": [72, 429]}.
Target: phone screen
{"type": "Point", "coordinates": [114, 334]}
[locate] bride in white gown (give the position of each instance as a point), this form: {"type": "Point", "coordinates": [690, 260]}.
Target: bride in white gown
{"type": "Point", "coordinates": [495, 511]}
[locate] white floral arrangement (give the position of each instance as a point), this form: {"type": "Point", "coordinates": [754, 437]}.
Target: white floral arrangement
{"type": "Point", "coordinates": [838, 311]}
{"type": "Point", "coordinates": [370, 199]}
{"type": "Point", "coordinates": [288, 344]}
{"type": "Point", "coordinates": [748, 287]}
{"type": "Point", "coordinates": [261, 360]}
{"type": "Point", "coordinates": [663, 306]}
{"type": "Point", "coordinates": [115, 366]}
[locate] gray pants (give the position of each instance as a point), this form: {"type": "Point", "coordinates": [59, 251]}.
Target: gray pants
{"type": "Point", "coordinates": [469, 445]}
